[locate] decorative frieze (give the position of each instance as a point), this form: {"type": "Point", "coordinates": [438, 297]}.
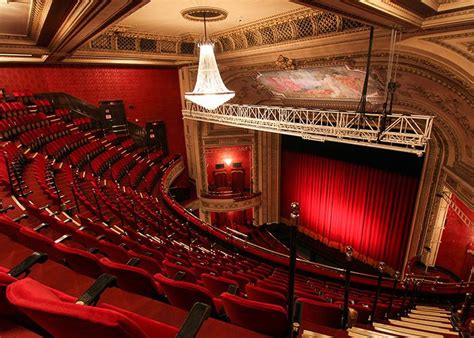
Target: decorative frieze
{"type": "Point", "coordinates": [296, 26]}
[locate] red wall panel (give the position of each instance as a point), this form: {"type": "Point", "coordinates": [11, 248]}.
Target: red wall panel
{"type": "Point", "coordinates": [148, 93]}
{"type": "Point", "coordinates": [456, 242]}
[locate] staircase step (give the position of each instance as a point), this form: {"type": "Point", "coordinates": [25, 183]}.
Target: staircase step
{"type": "Point", "coordinates": [435, 319]}
{"type": "Point", "coordinates": [402, 331]}
{"type": "Point", "coordinates": [430, 313]}
{"type": "Point", "coordinates": [358, 332]}
{"type": "Point", "coordinates": [432, 309]}
{"type": "Point", "coordinates": [428, 327]}
{"type": "Point", "coordinates": [427, 322]}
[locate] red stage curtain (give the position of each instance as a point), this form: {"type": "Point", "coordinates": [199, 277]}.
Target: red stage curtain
{"type": "Point", "coordinates": [345, 203]}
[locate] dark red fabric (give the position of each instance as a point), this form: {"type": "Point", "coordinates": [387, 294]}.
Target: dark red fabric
{"type": "Point", "coordinates": [184, 294]}
{"type": "Point", "coordinates": [80, 261]}
{"type": "Point", "coordinates": [172, 269]}
{"type": "Point", "coordinates": [60, 316]}
{"type": "Point", "coordinates": [267, 296]}
{"type": "Point", "coordinates": [265, 318]}
{"type": "Point", "coordinates": [217, 285]}
{"type": "Point", "coordinates": [321, 313]}
{"type": "Point", "coordinates": [132, 278]}
{"type": "Point", "coordinates": [344, 203]}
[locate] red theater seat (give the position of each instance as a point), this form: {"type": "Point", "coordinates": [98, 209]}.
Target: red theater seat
{"type": "Point", "coordinates": [80, 261]}
{"type": "Point", "coordinates": [217, 285]}
{"type": "Point", "coordinates": [133, 279]}
{"type": "Point", "coordinates": [60, 316]}
{"type": "Point", "coordinates": [273, 287]}
{"type": "Point", "coordinates": [266, 296]}
{"type": "Point", "coordinates": [239, 279]}
{"type": "Point", "coordinates": [172, 269]}
{"type": "Point", "coordinates": [320, 313]}
{"type": "Point", "coordinates": [184, 295]}
{"type": "Point", "coordinates": [201, 269]}
{"type": "Point", "coordinates": [265, 318]}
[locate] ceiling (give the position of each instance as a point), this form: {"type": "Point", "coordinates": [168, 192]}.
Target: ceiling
{"type": "Point", "coordinates": [15, 17]}
{"type": "Point", "coordinates": [163, 17]}
{"type": "Point", "coordinates": [153, 32]}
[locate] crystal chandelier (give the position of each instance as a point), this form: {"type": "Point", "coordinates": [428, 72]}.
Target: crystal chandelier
{"type": "Point", "coordinates": [210, 91]}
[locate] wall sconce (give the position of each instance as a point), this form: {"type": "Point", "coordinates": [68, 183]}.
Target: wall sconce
{"type": "Point", "coordinates": [228, 160]}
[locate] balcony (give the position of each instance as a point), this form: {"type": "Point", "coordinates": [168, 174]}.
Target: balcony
{"type": "Point", "coordinates": [229, 201]}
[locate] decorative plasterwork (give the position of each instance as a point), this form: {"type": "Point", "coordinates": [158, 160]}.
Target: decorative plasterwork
{"type": "Point", "coordinates": [59, 27]}
{"type": "Point", "coordinates": [460, 43]}
{"type": "Point", "coordinates": [407, 14]}
{"type": "Point", "coordinates": [172, 175]}
{"type": "Point", "coordinates": [460, 184]}
{"type": "Point", "coordinates": [229, 204]}
{"type": "Point", "coordinates": [454, 18]}
{"type": "Point", "coordinates": [299, 25]}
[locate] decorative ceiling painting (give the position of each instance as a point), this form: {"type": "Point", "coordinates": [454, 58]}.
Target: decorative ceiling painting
{"type": "Point", "coordinates": [324, 83]}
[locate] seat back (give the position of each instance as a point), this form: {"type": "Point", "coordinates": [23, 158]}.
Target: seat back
{"type": "Point", "coordinates": [321, 313]}
{"type": "Point", "coordinates": [37, 242]}
{"type": "Point", "coordinates": [183, 294]}
{"type": "Point", "coordinates": [217, 285]}
{"type": "Point", "coordinates": [200, 269]}
{"type": "Point", "coordinates": [267, 296]}
{"type": "Point", "coordinates": [239, 279]}
{"type": "Point", "coordinates": [61, 317]}
{"type": "Point", "coordinates": [131, 278]}
{"type": "Point", "coordinates": [80, 261]}
{"type": "Point", "coordinates": [172, 269]}
{"type": "Point", "coordinates": [9, 228]}
{"type": "Point", "coordinates": [265, 318]}
{"type": "Point", "coordinates": [273, 287]}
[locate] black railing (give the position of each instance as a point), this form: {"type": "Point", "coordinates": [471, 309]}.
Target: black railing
{"type": "Point", "coordinates": [81, 108]}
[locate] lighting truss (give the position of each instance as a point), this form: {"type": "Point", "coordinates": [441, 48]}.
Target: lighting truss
{"type": "Point", "coordinates": [400, 132]}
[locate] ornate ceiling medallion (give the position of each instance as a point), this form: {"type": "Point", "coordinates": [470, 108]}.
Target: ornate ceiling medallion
{"type": "Point", "coordinates": [198, 14]}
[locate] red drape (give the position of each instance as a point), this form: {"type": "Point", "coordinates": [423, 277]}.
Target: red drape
{"type": "Point", "coordinates": [345, 203]}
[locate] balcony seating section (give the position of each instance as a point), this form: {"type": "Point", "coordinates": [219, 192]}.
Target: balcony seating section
{"type": "Point", "coordinates": [103, 216]}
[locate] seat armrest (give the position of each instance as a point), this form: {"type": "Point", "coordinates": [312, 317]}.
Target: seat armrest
{"type": "Point", "coordinates": [41, 227]}
{"type": "Point", "coordinates": [180, 275]}
{"type": "Point", "coordinates": [193, 322]}
{"type": "Point", "coordinates": [27, 263]}
{"type": "Point", "coordinates": [233, 289]}
{"type": "Point", "coordinates": [93, 293]}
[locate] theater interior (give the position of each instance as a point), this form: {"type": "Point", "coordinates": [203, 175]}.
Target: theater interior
{"type": "Point", "coordinates": [248, 168]}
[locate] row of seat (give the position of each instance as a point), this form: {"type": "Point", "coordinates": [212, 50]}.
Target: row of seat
{"type": "Point", "coordinates": [50, 312]}
{"type": "Point", "coordinates": [12, 126]}
{"type": "Point", "coordinates": [37, 138]}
